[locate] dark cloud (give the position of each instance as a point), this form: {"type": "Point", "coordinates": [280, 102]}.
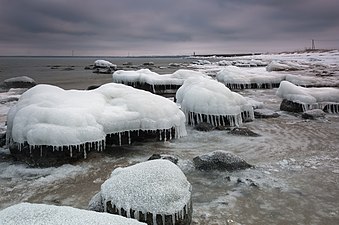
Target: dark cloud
{"type": "Point", "coordinates": [163, 26]}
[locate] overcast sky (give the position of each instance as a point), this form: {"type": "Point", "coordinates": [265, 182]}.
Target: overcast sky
{"type": "Point", "coordinates": [165, 27]}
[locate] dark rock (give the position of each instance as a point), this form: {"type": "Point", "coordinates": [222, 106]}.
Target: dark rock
{"type": "Point", "coordinates": [265, 113]}
{"type": "Point", "coordinates": [96, 203]}
{"type": "Point", "coordinates": [19, 82]}
{"type": "Point", "coordinates": [290, 106]}
{"type": "Point", "coordinates": [203, 126]}
{"type": "Point", "coordinates": [92, 87]}
{"type": "Point", "coordinates": [220, 160]}
{"type": "Point", "coordinates": [171, 158]}
{"type": "Point", "coordinates": [2, 138]}
{"type": "Point", "coordinates": [244, 131]}
{"type": "Point", "coordinates": [313, 114]}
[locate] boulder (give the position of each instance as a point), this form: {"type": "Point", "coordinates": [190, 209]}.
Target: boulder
{"type": "Point", "coordinates": [171, 158]}
{"type": "Point", "coordinates": [243, 131]}
{"type": "Point", "coordinates": [290, 106]}
{"type": "Point", "coordinates": [220, 160]}
{"type": "Point", "coordinates": [19, 82]}
{"type": "Point", "coordinates": [203, 126]}
{"type": "Point", "coordinates": [313, 114]}
{"type": "Point", "coordinates": [96, 204]}
{"type": "Point", "coordinates": [265, 113]}
{"type": "Point", "coordinates": [155, 192]}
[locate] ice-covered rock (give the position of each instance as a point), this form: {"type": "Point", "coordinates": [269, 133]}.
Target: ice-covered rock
{"type": "Point", "coordinates": [265, 113]}
{"type": "Point", "coordinates": [96, 204]}
{"type": "Point", "coordinates": [236, 78]}
{"type": "Point", "coordinates": [206, 100]}
{"type": "Point", "coordinates": [150, 81]}
{"type": "Point", "coordinates": [19, 82]}
{"type": "Point", "coordinates": [313, 114]}
{"type": "Point", "coordinates": [100, 63]}
{"type": "Point", "coordinates": [309, 98]}
{"type": "Point", "coordinates": [220, 160]}
{"type": "Point", "coordinates": [156, 192]}
{"type": "Point", "coordinates": [41, 214]}
{"type": "Point", "coordinates": [48, 121]}
{"type": "Point", "coordinates": [243, 131]}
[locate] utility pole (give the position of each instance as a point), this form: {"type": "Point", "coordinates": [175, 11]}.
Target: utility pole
{"type": "Point", "coordinates": [313, 44]}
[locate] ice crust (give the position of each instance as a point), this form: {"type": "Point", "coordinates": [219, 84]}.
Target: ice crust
{"type": "Point", "coordinates": [41, 214]}
{"type": "Point", "coordinates": [208, 97]}
{"type": "Point", "coordinates": [152, 78]}
{"type": "Point", "coordinates": [49, 115]}
{"type": "Point", "coordinates": [310, 98]}
{"type": "Point", "coordinates": [156, 186]}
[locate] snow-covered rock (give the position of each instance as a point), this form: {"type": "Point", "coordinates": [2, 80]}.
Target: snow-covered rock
{"type": "Point", "coordinates": [313, 114]}
{"type": "Point", "coordinates": [156, 192]}
{"type": "Point", "coordinates": [309, 98]}
{"type": "Point", "coordinates": [220, 160]}
{"type": "Point", "coordinates": [236, 78]}
{"type": "Point", "coordinates": [206, 100]}
{"type": "Point", "coordinates": [171, 158]}
{"type": "Point", "coordinates": [265, 113]}
{"type": "Point", "coordinates": [41, 214]}
{"type": "Point", "coordinates": [78, 121]}
{"type": "Point", "coordinates": [100, 63]}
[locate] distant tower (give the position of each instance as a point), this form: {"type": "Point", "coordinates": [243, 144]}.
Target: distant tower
{"type": "Point", "coordinates": [313, 44]}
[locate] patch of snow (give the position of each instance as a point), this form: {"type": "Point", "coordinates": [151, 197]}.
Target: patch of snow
{"type": "Point", "coordinates": [41, 214]}
{"type": "Point", "coordinates": [104, 64]}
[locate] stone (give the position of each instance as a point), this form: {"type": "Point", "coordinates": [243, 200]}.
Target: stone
{"type": "Point", "coordinates": [220, 160]}
{"type": "Point", "coordinates": [203, 126]}
{"type": "Point", "coordinates": [2, 138]}
{"type": "Point", "coordinates": [96, 204]}
{"type": "Point", "coordinates": [171, 158]}
{"type": "Point", "coordinates": [291, 106]}
{"type": "Point", "coordinates": [265, 113]}
{"type": "Point", "coordinates": [313, 114]}
{"type": "Point", "coordinates": [19, 82]}
{"type": "Point", "coordinates": [243, 131]}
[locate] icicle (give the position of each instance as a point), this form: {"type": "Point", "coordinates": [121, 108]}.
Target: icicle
{"type": "Point", "coordinates": [165, 137]}
{"type": "Point", "coordinates": [136, 215]}
{"type": "Point", "coordinates": [71, 153]}
{"type": "Point", "coordinates": [128, 212]}
{"type": "Point", "coordinates": [119, 138]}
{"type": "Point", "coordinates": [40, 152]}
{"type": "Point", "coordinates": [129, 137]}
{"type": "Point", "coordinates": [105, 206]}
{"type": "Point", "coordinates": [173, 218]}
{"type": "Point", "coordinates": [163, 219]}
{"type": "Point", "coordinates": [154, 215]}
{"type": "Point", "coordinates": [170, 133]}
{"type": "Point", "coordinates": [85, 154]}
{"type": "Point", "coordinates": [160, 136]}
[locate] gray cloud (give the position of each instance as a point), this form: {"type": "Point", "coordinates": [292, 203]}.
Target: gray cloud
{"type": "Point", "coordinates": [163, 26]}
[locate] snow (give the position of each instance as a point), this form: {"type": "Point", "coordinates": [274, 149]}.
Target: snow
{"type": "Point", "coordinates": [235, 77]}
{"type": "Point", "coordinates": [60, 117]}
{"type": "Point", "coordinates": [152, 78]}
{"type": "Point", "coordinates": [104, 64]}
{"type": "Point", "coordinates": [41, 214]}
{"type": "Point", "coordinates": [284, 65]}
{"type": "Point", "coordinates": [156, 186]}
{"type": "Point", "coordinates": [295, 93]}
{"type": "Point", "coordinates": [209, 97]}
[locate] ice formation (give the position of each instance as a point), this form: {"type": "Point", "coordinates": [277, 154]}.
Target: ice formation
{"type": "Point", "coordinates": [310, 98]}
{"type": "Point", "coordinates": [41, 214]}
{"type": "Point", "coordinates": [156, 186]}
{"type": "Point", "coordinates": [104, 64]}
{"type": "Point", "coordinates": [145, 76]}
{"type": "Point", "coordinates": [47, 115]}
{"type": "Point", "coordinates": [235, 78]}
{"type": "Point", "coordinates": [284, 66]}
{"type": "Point", "coordinates": [206, 100]}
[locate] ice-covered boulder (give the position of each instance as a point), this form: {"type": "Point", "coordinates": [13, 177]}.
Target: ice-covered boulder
{"type": "Point", "coordinates": [155, 192]}
{"type": "Point", "coordinates": [308, 98]}
{"type": "Point", "coordinates": [265, 113]}
{"type": "Point", "coordinates": [19, 82]}
{"type": "Point", "coordinates": [100, 63]}
{"type": "Point", "coordinates": [313, 114]}
{"type": "Point", "coordinates": [171, 158]}
{"type": "Point", "coordinates": [220, 160]}
{"type": "Point", "coordinates": [51, 123]}
{"type": "Point", "coordinates": [206, 100]}
{"type": "Point", "coordinates": [236, 78]}
{"type": "Point", "coordinates": [150, 81]}
{"type": "Point", "coordinates": [35, 214]}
